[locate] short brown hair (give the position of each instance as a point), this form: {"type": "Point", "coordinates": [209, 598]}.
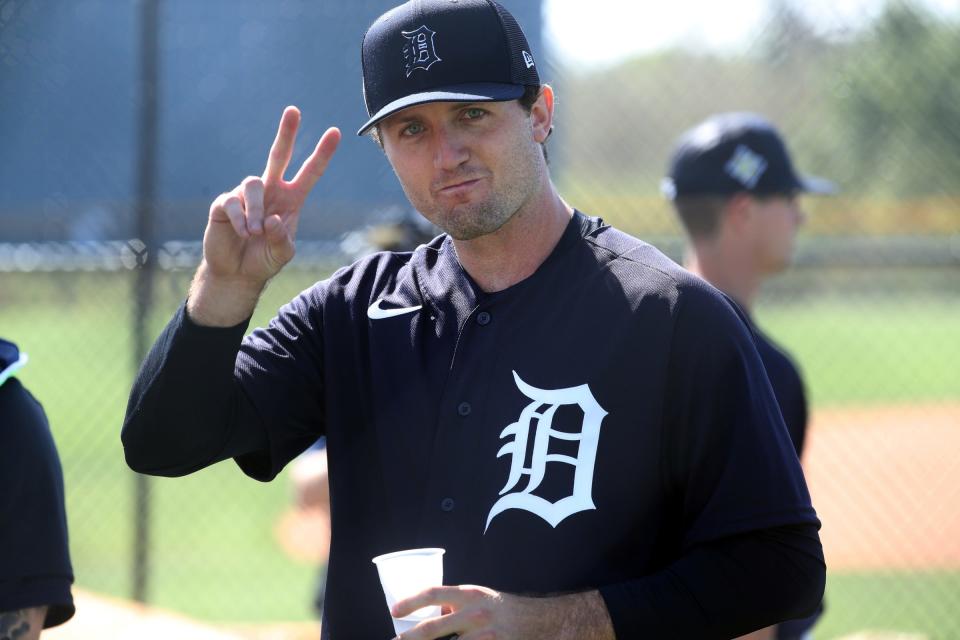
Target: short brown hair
{"type": "Point", "coordinates": [530, 94]}
{"type": "Point", "coordinates": [700, 215]}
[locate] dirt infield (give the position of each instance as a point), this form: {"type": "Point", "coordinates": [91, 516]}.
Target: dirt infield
{"type": "Point", "coordinates": [886, 484]}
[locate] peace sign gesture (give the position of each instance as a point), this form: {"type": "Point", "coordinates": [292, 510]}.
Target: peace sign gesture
{"type": "Point", "coordinates": [251, 230]}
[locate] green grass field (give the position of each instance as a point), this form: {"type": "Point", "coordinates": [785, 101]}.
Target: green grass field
{"type": "Point", "coordinates": [212, 550]}
{"type": "Point", "coordinates": [869, 351]}
{"type": "Point", "coordinates": [926, 603]}
{"type": "Point", "coordinates": [213, 554]}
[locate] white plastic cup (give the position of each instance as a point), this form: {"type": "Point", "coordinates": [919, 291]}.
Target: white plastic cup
{"type": "Point", "coordinates": [407, 573]}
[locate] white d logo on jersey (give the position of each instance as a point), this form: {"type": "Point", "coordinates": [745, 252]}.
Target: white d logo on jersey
{"type": "Point", "coordinates": [539, 415]}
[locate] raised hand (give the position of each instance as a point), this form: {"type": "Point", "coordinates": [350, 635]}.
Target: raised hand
{"type": "Point", "coordinates": [251, 230]}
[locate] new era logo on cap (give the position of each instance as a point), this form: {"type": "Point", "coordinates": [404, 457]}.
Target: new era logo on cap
{"type": "Point", "coordinates": [527, 58]}
{"type": "Point", "coordinates": [419, 51]}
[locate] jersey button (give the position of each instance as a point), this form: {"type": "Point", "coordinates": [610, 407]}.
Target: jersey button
{"type": "Point", "coordinates": [447, 504]}
{"type": "Point", "coordinates": [464, 409]}
{"type": "Point", "coordinates": [483, 318]}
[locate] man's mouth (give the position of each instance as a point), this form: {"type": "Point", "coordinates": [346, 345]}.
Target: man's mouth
{"type": "Point", "coordinates": [461, 186]}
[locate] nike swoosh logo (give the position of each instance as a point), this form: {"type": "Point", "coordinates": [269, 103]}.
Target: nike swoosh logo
{"type": "Point", "coordinates": [376, 312]}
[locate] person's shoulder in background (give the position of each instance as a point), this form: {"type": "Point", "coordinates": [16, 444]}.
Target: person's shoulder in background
{"type": "Point", "coordinates": [35, 568]}
{"type": "Point", "coordinates": [788, 386]}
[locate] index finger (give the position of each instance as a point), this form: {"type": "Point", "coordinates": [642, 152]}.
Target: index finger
{"type": "Point", "coordinates": [449, 596]}
{"type": "Point", "coordinates": [282, 148]}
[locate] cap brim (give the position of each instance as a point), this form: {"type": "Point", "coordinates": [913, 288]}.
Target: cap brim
{"type": "Point", "coordinates": [13, 367]}
{"type": "Point", "coordinates": [819, 186]}
{"type": "Point", "coordinates": [474, 92]}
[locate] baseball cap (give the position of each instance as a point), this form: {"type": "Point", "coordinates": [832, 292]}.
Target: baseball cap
{"type": "Point", "coordinates": [443, 51]}
{"type": "Point", "coordinates": [733, 152]}
{"type": "Point", "coordinates": [11, 360]}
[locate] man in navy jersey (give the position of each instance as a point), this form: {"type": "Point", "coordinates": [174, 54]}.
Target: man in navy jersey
{"type": "Point", "coordinates": [735, 190]}
{"type": "Point", "coordinates": [585, 427]}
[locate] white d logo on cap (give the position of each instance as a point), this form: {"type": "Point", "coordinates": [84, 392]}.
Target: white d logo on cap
{"type": "Point", "coordinates": [419, 51]}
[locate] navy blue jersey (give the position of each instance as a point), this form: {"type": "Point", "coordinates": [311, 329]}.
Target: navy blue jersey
{"type": "Point", "coordinates": [787, 386]}
{"type": "Point", "coordinates": [35, 566]}
{"type": "Point", "coordinates": [791, 397]}
{"type": "Point", "coordinates": [584, 428]}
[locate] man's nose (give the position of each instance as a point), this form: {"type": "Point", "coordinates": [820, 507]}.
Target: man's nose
{"type": "Point", "coordinates": [450, 150]}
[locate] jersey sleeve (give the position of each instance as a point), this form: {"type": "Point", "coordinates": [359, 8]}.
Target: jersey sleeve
{"type": "Point", "coordinates": [186, 409]}
{"type": "Point", "coordinates": [35, 568]}
{"type": "Point", "coordinates": [727, 452]}
{"type": "Point", "coordinates": [280, 370]}
{"type": "Point", "coordinates": [724, 588]}
{"type": "Point", "coordinates": [206, 394]}
{"type": "Point", "coordinates": [750, 555]}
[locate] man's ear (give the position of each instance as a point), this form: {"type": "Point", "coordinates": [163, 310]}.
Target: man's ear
{"type": "Point", "coordinates": [738, 210]}
{"type": "Point", "coordinates": [541, 114]}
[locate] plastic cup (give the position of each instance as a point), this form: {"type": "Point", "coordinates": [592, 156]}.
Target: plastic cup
{"type": "Point", "coordinates": [406, 573]}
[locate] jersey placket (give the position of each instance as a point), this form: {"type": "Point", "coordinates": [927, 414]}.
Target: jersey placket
{"type": "Point", "coordinates": [452, 502]}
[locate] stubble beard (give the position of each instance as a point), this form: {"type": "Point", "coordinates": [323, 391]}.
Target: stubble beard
{"type": "Point", "coordinates": [474, 220]}
{"type": "Point", "coordinates": [471, 220]}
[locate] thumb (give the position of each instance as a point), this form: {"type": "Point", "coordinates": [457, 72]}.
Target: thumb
{"type": "Point", "coordinates": [279, 243]}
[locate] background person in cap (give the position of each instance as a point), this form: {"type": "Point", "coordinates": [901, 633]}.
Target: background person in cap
{"type": "Point", "coordinates": [736, 192]}
{"type": "Point", "coordinates": [532, 390]}
{"type": "Point", "coordinates": [35, 571]}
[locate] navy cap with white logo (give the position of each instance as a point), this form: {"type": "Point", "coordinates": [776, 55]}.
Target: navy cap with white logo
{"type": "Point", "coordinates": [733, 152]}
{"type": "Point", "coordinates": [11, 360]}
{"type": "Point", "coordinates": [443, 51]}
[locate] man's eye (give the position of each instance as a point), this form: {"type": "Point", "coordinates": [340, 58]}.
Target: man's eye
{"type": "Point", "coordinates": [412, 129]}
{"type": "Point", "coordinates": [473, 113]}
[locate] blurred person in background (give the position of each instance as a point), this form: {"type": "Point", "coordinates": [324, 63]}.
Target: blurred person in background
{"type": "Point", "coordinates": [311, 497]}
{"type": "Point", "coordinates": [736, 192]}
{"type": "Point", "coordinates": [532, 391]}
{"type": "Point", "coordinates": [35, 571]}
{"type": "Point", "coordinates": [394, 230]}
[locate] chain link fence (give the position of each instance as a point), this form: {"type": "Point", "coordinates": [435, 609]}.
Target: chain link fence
{"type": "Point", "coordinates": [870, 309]}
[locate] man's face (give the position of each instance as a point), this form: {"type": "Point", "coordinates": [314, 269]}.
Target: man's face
{"type": "Point", "coordinates": [776, 220]}
{"type": "Point", "coordinates": [467, 167]}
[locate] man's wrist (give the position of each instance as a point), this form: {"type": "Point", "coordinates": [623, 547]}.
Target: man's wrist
{"type": "Point", "coordinates": [217, 301]}
{"type": "Point", "coordinates": [592, 614]}
{"type": "Point", "coordinates": [579, 616]}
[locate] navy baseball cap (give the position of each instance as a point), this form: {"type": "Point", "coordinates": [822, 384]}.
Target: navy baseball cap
{"type": "Point", "coordinates": [11, 359]}
{"type": "Point", "coordinates": [443, 51]}
{"type": "Point", "coordinates": [733, 152]}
